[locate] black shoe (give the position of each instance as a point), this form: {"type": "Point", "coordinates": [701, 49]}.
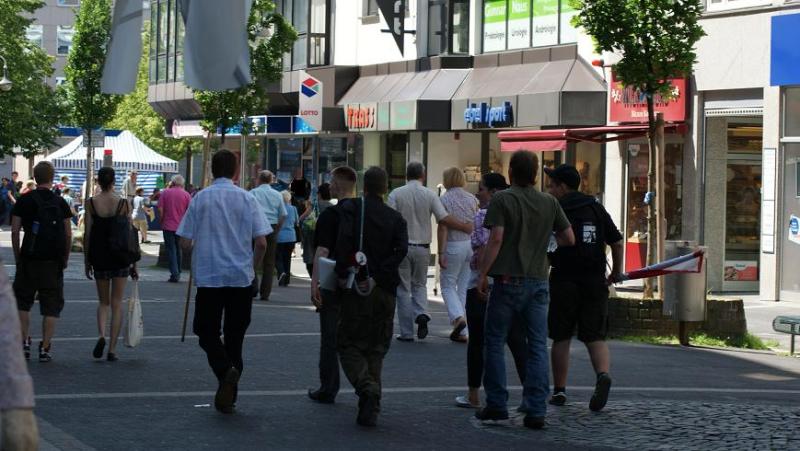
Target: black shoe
{"type": "Point", "coordinates": [320, 397]}
{"type": "Point", "coordinates": [264, 298]}
{"type": "Point", "coordinates": [283, 280]}
{"type": "Point", "coordinates": [558, 399]}
{"type": "Point", "coordinates": [601, 389]}
{"type": "Point", "coordinates": [368, 408]}
{"type": "Point", "coordinates": [173, 280]}
{"type": "Point", "coordinates": [405, 339]}
{"type": "Point", "coordinates": [533, 422]}
{"type": "Point", "coordinates": [98, 348]}
{"type": "Point", "coordinates": [44, 353]}
{"type": "Point", "coordinates": [422, 326]}
{"type": "Point", "coordinates": [489, 414]}
{"type": "Point", "coordinates": [111, 357]}
{"type": "Point", "coordinates": [223, 401]}
{"type": "Point", "coordinates": [26, 348]}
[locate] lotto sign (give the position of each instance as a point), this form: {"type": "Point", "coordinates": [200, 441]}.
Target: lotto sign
{"type": "Point", "coordinates": [310, 101]}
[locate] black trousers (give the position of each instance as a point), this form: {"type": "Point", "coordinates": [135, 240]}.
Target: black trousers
{"type": "Point", "coordinates": [210, 303]}
{"type": "Point", "coordinates": [476, 318]}
{"type": "Point", "coordinates": [283, 258]}
{"type": "Point", "coordinates": [328, 355]}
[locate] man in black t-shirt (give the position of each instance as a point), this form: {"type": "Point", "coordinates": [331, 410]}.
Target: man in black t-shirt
{"type": "Point", "coordinates": [328, 303]}
{"type": "Point", "coordinates": [43, 256]}
{"type": "Point", "coordinates": [578, 284]}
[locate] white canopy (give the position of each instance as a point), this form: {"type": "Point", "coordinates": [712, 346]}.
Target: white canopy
{"type": "Point", "coordinates": [128, 153]}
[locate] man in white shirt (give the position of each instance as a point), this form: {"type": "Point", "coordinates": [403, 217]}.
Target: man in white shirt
{"type": "Point", "coordinates": [417, 204]}
{"type": "Point", "coordinates": [129, 186]}
{"type": "Point", "coordinates": [221, 225]}
{"type": "Point", "coordinates": [272, 206]}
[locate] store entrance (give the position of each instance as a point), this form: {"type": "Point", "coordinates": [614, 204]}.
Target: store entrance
{"type": "Point", "coordinates": [396, 155]}
{"type": "Point", "coordinates": [742, 207]}
{"type": "Point", "coordinates": [788, 231]}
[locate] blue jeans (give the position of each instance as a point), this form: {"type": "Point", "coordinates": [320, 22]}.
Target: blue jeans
{"type": "Point", "coordinates": [173, 254]}
{"type": "Point", "coordinates": [528, 299]}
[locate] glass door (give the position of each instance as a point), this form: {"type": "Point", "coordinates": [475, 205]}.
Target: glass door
{"type": "Point", "coordinates": [396, 155]}
{"type": "Point", "coordinates": [788, 231]}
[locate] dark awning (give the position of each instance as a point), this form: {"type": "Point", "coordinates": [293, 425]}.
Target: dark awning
{"type": "Point", "coordinates": [547, 140]}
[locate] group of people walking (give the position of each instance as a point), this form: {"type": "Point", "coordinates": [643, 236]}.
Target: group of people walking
{"type": "Point", "coordinates": [507, 254]}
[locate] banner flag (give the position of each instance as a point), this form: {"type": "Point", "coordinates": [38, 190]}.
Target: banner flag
{"type": "Point", "coordinates": [690, 263]}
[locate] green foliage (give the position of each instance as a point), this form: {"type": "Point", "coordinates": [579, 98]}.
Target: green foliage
{"type": "Point", "coordinates": [30, 112]}
{"type": "Point", "coordinates": [271, 36]}
{"type": "Point", "coordinates": [89, 107]}
{"type": "Point", "coordinates": [748, 341]}
{"type": "Point", "coordinates": [655, 38]}
{"type": "Point", "coordinates": [134, 113]}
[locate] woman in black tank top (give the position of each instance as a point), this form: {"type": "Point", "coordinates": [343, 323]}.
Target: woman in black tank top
{"type": "Point", "coordinates": [110, 273]}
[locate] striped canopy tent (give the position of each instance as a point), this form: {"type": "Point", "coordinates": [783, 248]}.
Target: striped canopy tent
{"type": "Point", "coordinates": [128, 153]}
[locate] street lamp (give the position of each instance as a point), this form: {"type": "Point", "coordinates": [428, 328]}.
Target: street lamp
{"type": "Point", "coordinates": [5, 83]}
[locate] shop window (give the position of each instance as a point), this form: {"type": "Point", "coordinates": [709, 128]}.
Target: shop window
{"type": "Point", "coordinates": [791, 127]}
{"type": "Point", "coordinates": [588, 161]}
{"type": "Point", "coordinates": [396, 147]}
{"type": "Point", "coordinates": [517, 24]}
{"type": "Point", "coordinates": [34, 34]}
{"type": "Point", "coordinates": [636, 214]}
{"type": "Point", "coordinates": [723, 5]}
{"type": "Point", "coordinates": [64, 36]}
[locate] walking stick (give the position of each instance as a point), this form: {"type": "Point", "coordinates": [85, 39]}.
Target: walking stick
{"type": "Point", "coordinates": [186, 309]}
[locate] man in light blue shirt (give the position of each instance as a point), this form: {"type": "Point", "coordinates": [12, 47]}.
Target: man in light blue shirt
{"type": "Point", "coordinates": [271, 203]}
{"type": "Point", "coordinates": [221, 226]}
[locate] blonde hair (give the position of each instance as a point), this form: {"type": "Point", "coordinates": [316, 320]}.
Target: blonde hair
{"type": "Point", "coordinates": [287, 196]}
{"type": "Point", "coordinates": [454, 178]}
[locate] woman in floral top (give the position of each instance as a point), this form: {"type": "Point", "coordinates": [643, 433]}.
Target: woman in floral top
{"type": "Point", "coordinates": [455, 251]}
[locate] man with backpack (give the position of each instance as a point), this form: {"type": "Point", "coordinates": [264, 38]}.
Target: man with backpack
{"type": "Point", "coordinates": [42, 257]}
{"type": "Point", "coordinates": [578, 285]}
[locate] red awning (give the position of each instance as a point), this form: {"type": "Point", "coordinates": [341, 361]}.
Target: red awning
{"type": "Point", "coordinates": [549, 140]}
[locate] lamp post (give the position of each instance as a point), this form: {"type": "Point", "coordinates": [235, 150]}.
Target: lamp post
{"type": "Point", "coordinates": [5, 83]}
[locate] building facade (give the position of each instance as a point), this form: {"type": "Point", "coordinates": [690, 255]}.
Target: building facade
{"type": "Point", "coordinates": [52, 29]}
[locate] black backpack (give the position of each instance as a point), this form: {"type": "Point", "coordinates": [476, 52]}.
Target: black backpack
{"type": "Point", "coordinates": [48, 238]}
{"type": "Point", "coordinates": [123, 238]}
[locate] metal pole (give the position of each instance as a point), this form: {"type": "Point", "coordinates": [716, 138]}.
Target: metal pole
{"type": "Point", "coordinates": [242, 154]}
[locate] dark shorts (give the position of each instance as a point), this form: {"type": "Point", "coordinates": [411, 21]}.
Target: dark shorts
{"type": "Point", "coordinates": [581, 303]}
{"type": "Point", "coordinates": [108, 274]}
{"type": "Point", "coordinates": [42, 280]}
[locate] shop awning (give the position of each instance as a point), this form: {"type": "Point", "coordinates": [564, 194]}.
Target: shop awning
{"type": "Point", "coordinates": [549, 140]}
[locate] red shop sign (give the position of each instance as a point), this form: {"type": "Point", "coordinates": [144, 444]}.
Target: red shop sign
{"type": "Point", "coordinates": [629, 105]}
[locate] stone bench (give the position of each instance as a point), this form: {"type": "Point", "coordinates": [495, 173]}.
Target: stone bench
{"type": "Point", "coordinates": [787, 325]}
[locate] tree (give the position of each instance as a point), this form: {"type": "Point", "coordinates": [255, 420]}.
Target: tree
{"type": "Point", "coordinates": [89, 107]}
{"type": "Point", "coordinates": [655, 40]}
{"type": "Point", "coordinates": [270, 36]}
{"type": "Point", "coordinates": [31, 111]}
{"type": "Point", "coordinates": [134, 113]}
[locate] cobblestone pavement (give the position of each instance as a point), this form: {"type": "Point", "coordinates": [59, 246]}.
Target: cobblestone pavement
{"type": "Point", "coordinates": [665, 425]}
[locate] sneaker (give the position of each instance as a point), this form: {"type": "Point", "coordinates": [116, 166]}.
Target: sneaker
{"type": "Point", "coordinates": [489, 414]}
{"type": "Point", "coordinates": [98, 348]}
{"type": "Point", "coordinates": [321, 397]}
{"type": "Point", "coordinates": [405, 339]}
{"type": "Point", "coordinates": [463, 401]}
{"type": "Point", "coordinates": [44, 353]}
{"type": "Point", "coordinates": [558, 399]}
{"type": "Point", "coordinates": [601, 389]}
{"type": "Point", "coordinates": [26, 348]}
{"type": "Point", "coordinates": [368, 408]}
{"type": "Point", "coordinates": [533, 422]}
{"type": "Point", "coordinates": [283, 280]}
{"type": "Point", "coordinates": [422, 326]}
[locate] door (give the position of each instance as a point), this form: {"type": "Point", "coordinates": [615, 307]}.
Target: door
{"type": "Point", "coordinates": [788, 233]}
{"type": "Point", "coordinates": [742, 224]}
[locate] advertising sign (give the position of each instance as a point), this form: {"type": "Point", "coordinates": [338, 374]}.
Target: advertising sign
{"type": "Point", "coordinates": [494, 25]}
{"type": "Point", "coordinates": [361, 116]}
{"type": "Point", "coordinates": [519, 24]}
{"type": "Point", "coordinates": [485, 115]}
{"type": "Point", "coordinates": [568, 32]}
{"type": "Point", "coordinates": [794, 229]}
{"type": "Point", "coordinates": [628, 104]}
{"type": "Point", "coordinates": [394, 12]}
{"type": "Point", "coordinates": [741, 271]}
{"type": "Point", "coordinates": [310, 102]}
{"type": "Point", "coordinates": [98, 138]}
{"type": "Point", "coordinates": [545, 22]}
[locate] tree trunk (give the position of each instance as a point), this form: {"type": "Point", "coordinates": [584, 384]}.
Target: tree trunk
{"type": "Point", "coordinates": [89, 169]}
{"type": "Point", "coordinates": [206, 162]}
{"type": "Point", "coordinates": [652, 239]}
{"type": "Point", "coordinates": [661, 225]}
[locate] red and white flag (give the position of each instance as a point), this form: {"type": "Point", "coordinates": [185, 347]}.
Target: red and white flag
{"type": "Point", "coordinates": [690, 263]}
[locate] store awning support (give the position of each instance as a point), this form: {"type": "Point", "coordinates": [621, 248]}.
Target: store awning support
{"type": "Point", "coordinates": [557, 139]}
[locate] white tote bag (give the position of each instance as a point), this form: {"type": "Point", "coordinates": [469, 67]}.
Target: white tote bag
{"type": "Point", "coordinates": [134, 329]}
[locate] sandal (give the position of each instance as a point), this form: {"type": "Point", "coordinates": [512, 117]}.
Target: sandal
{"type": "Point", "coordinates": [98, 348]}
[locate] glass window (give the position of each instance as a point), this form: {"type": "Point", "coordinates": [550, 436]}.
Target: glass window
{"type": "Point", "coordinates": [163, 34]}
{"type": "Point", "coordinates": [791, 107]}
{"type": "Point", "coordinates": [370, 7]}
{"type": "Point", "coordinates": [34, 34]}
{"type": "Point", "coordinates": [569, 33]}
{"type": "Point", "coordinates": [588, 160]}
{"type": "Point", "coordinates": [300, 16]}
{"type": "Point", "coordinates": [435, 27]}
{"type": "Point", "coordinates": [64, 37]}
{"type": "Point", "coordinates": [68, 2]}
{"type": "Point", "coordinates": [742, 220]}
{"type": "Point", "coordinates": [153, 71]}
{"type": "Point", "coordinates": [494, 25]}
{"type": "Point", "coordinates": [459, 26]}
{"type": "Point", "coordinates": [519, 24]}
{"type": "Point", "coordinates": [299, 53]}
{"type": "Point", "coordinates": [153, 30]}
{"type": "Point", "coordinates": [162, 69]}
{"type": "Point", "coordinates": [60, 80]}
{"type": "Point", "coordinates": [318, 16]}
{"type": "Point", "coordinates": [722, 5]}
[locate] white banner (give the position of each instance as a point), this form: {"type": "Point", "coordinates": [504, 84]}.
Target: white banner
{"type": "Point", "coordinates": [310, 92]}
{"type": "Point", "coordinates": [124, 50]}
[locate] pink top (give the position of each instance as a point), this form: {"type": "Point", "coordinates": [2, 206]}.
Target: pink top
{"type": "Point", "coordinates": [173, 202]}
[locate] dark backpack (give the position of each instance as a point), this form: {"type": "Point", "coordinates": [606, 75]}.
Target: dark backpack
{"type": "Point", "coordinates": [48, 238]}
{"type": "Point", "coordinates": [123, 238]}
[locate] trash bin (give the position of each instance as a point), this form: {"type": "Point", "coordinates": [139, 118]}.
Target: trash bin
{"type": "Point", "coordinates": [684, 293]}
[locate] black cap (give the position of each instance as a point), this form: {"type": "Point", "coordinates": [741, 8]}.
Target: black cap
{"type": "Point", "coordinates": [494, 180]}
{"type": "Point", "coordinates": [565, 174]}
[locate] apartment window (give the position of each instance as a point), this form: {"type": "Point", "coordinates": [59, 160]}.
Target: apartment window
{"type": "Point", "coordinates": [370, 8]}
{"type": "Point", "coordinates": [68, 2]}
{"type": "Point", "coordinates": [723, 5]}
{"type": "Point", "coordinates": [34, 34]}
{"type": "Point", "coordinates": [517, 24]}
{"type": "Point", "coordinates": [64, 37]}
{"type": "Point", "coordinates": [448, 27]}
{"type": "Point", "coordinates": [312, 23]}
